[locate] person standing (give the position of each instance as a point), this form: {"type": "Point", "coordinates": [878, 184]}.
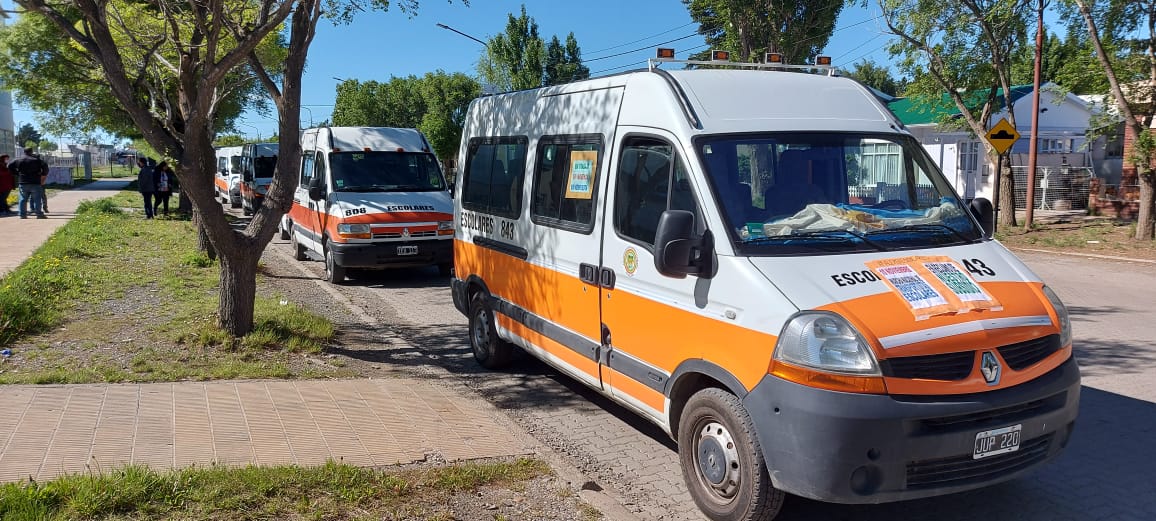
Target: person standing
{"type": "Point", "coordinates": [43, 193]}
{"type": "Point", "coordinates": [147, 184]}
{"type": "Point", "coordinates": [7, 183]}
{"type": "Point", "coordinates": [165, 178]}
{"type": "Point", "coordinates": [32, 172]}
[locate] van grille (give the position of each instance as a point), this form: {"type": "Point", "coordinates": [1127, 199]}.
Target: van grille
{"type": "Point", "coordinates": [963, 470]}
{"type": "Point", "coordinates": [1023, 355]}
{"type": "Point", "coordinates": [992, 417]}
{"type": "Point", "coordinates": [950, 366]}
{"type": "Point", "coordinates": [412, 235]}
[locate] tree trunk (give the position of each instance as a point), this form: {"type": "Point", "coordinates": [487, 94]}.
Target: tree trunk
{"type": "Point", "coordinates": [1007, 196]}
{"type": "Point", "coordinates": [1144, 221]}
{"type": "Point", "coordinates": [203, 242]}
{"type": "Point", "coordinates": [238, 293]}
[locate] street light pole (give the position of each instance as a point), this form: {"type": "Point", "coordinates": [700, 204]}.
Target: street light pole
{"type": "Point", "coordinates": [448, 28]}
{"type": "Point", "coordinates": [310, 115]}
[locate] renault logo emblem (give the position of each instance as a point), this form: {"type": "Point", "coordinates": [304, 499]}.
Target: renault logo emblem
{"type": "Point", "coordinates": [405, 232]}
{"type": "Point", "coordinates": [990, 368]}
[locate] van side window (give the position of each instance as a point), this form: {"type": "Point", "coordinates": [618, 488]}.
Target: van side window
{"type": "Point", "coordinates": [319, 167]}
{"type": "Point", "coordinates": [644, 189]}
{"type": "Point", "coordinates": [565, 180]}
{"type": "Point", "coordinates": [306, 169]}
{"type": "Point", "coordinates": [495, 169]}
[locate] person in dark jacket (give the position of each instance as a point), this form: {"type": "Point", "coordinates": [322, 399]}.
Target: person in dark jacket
{"type": "Point", "coordinates": [31, 172]}
{"type": "Point", "coordinates": [147, 184]}
{"type": "Point", "coordinates": [7, 183]}
{"type": "Point", "coordinates": [166, 181]}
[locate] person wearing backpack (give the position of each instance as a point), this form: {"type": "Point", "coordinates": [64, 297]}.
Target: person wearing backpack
{"type": "Point", "coordinates": [147, 184]}
{"type": "Point", "coordinates": [31, 172]}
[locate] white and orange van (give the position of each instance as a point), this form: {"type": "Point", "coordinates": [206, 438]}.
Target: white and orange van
{"type": "Point", "coordinates": [370, 198]}
{"type": "Point", "coordinates": [769, 267]}
{"type": "Point", "coordinates": [258, 163]}
{"type": "Point", "coordinates": [228, 179]}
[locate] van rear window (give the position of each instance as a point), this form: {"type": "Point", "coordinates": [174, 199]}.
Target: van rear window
{"type": "Point", "coordinates": [493, 179]}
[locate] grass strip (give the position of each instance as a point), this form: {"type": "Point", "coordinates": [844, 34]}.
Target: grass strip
{"type": "Point", "coordinates": [331, 491]}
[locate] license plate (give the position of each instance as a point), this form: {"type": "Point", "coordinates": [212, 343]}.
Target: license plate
{"type": "Point", "coordinates": [407, 250]}
{"type": "Point", "coordinates": [997, 441]}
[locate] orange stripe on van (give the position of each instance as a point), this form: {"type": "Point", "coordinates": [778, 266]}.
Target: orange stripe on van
{"type": "Point", "coordinates": [626, 385]}
{"type": "Point", "coordinates": [397, 217]}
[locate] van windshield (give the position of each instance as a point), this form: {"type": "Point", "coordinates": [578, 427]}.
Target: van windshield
{"type": "Point", "coordinates": [807, 193]}
{"type": "Point", "coordinates": [385, 172]}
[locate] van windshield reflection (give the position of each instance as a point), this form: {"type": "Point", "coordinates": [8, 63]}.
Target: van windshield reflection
{"type": "Point", "coordinates": [385, 172]}
{"type": "Point", "coordinates": [832, 192]}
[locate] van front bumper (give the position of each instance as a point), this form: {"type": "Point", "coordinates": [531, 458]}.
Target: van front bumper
{"type": "Point", "coordinates": [385, 254]}
{"type": "Point", "coordinates": [862, 448]}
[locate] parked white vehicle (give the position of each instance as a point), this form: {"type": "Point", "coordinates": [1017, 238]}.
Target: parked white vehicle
{"type": "Point", "coordinates": [227, 181]}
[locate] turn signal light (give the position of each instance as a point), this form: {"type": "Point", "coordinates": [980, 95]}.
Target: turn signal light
{"type": "Point", "coordinates": [720, 56]}
{"type": "Point", "coordinates": [829, 381]}
{"type": "Point", "coordinates": [665, 52]}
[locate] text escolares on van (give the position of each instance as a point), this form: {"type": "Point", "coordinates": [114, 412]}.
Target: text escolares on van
{"type": "Point", "coordinates": [370, 198]}
{"type": "Point", "coordinates": [770, 268]}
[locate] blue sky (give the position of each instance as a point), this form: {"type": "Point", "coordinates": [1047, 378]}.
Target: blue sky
{"type": "Point", "coordinates": [379, 45]}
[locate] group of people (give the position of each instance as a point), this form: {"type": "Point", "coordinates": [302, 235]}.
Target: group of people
{"type": "Point", "coordinates": [28, 174]}
{"type": "Point", "coordinates": [156, 183]}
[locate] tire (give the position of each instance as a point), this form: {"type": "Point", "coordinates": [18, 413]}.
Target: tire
{"type": "Point", "coordinates": [489, 349]}
{"type": "Point", "coordinates": [334, 273]}
{"type": "Point", "coordinates": [717, 444]}
{"type": "Point", "coordinates": [298, 249]}
{"type": "Point", "coordinates": [234, 205]}
{"type": "Point", "coordinates": [246, 210]}
{"type": "Point", "coordinates": [284, 232]}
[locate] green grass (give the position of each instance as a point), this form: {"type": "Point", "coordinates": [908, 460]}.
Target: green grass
{"type": "Point", "coordinates": [332, 491]}
{"type": "Point", "coordinates": [152, 269]}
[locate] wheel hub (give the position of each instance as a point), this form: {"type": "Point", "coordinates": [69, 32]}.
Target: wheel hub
{"type": "Point", "coordinates": [718, 460]}
{"type": "Point", "coordinates": [481, 330]}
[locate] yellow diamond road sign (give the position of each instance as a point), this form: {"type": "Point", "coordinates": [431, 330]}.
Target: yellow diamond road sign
{"type": "Point", "coordinates": [1002, 136]}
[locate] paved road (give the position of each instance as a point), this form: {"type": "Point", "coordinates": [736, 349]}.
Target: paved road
{"type": "Point", "coordinates": [1105, 473]}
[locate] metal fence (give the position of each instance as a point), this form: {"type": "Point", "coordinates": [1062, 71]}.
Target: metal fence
{"type": "Point", "coordinates": [1057, 187]}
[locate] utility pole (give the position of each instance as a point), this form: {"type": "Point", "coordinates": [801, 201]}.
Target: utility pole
{"type": "Point", "coordinates": [1033, 141]}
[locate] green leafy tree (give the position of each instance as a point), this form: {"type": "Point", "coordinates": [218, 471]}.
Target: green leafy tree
{"type": "Point", "coordinates": [962, 49]}
{"type": "Point", "coordinates": [435, 104]}
{"type": "Point", "coordinates": [520, 59]}
{"type": "Point", "coordinates": [799, 29]}
{"type": "Point", "coordinates": [877, 77]}
{"type": "Point", "coordinates": [27, 134]}
{"type": "Point", "coordinates": [1069, 62]}
{"type": "Point", "coordinates": [230, 140]}
{"type": "Point", "coordinates": [168, 64]}
{"type": "Point", "coordinates": [47, 146]}
{"type": "Point", "coordinates": [1131, 75]}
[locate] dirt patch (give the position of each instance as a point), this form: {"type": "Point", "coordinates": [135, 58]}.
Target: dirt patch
{"type": "Point", "coordinates": [1091, 235]}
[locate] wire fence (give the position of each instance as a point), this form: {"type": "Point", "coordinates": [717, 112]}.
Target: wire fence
{"type": "Point", "coordinates": [1057, 187]}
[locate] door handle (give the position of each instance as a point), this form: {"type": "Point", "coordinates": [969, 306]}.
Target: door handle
{"type": "Point", "coordinates": [588, 273]}
{"type": "Point", "coordinates": [606, 278]}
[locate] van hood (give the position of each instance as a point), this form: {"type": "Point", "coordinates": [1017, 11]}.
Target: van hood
{"type": "Point", "coordinates": [902, 302]}
{"type": "Point", "coordinates": [346, 204]}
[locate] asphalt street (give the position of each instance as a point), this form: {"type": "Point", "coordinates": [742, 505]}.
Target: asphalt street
{"type": "Point", "coordinates": [1105, 474]}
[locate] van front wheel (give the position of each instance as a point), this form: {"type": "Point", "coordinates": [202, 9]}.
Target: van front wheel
{"type": "Point", "coordinates": [334, 273]}
{"type": "Point", "coordinates": [489, 349]}
{"type": "Point", "coordinates": [722, 461]}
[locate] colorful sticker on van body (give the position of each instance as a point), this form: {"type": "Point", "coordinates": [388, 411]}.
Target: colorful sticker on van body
{"type": "Point", "coordinates": [932, 285]}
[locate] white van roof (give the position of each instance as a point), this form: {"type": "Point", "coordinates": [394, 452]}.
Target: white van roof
{"type": "Point", "coordinates": [377, 139]}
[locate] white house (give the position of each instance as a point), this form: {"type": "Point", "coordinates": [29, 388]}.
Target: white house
{"type": "Point", "coordinates": [1063, 122]}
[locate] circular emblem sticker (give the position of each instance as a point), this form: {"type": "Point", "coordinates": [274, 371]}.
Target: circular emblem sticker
{"type": "Point", "coordinates": [630, 261]}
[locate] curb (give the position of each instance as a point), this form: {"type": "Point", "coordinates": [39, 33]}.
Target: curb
{"type": "Point", "coordinates": [1087, 255]}
{"type": "Point", "coordinates": [610, 505]}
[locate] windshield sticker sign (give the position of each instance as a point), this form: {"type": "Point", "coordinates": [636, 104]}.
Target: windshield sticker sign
{"type": "Point", "coordinates": [931, 286]}
{"type": "Point", "coordinates": [581, 182]}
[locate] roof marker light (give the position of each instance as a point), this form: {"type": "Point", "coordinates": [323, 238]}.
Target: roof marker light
{"type": "Point", "coordinates": [773, 57]}
{"type": "Point", "coordinates": [720, 56]}
{"type": "Point", "coordinates": [823, 60]}
{"type": "Point", "coordinates": [665, 52]}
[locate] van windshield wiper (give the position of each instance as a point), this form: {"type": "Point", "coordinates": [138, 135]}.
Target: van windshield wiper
{"type": "Point", "coordinates": [411, 188]}
{"type": "Point", "coordinates": [835, 234]}
{"type": "Point", "coordinates": [925, 227]}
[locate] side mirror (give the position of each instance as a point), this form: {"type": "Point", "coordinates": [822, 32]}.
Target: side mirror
{"type": "Point", "coordinates": [677, 251]}
{"type": "Point", "coordinates": [984, 212]}
{"type": "Point", "coordinates": [316, 189]}
{"type": "Point", "coordinates": [246, 175]}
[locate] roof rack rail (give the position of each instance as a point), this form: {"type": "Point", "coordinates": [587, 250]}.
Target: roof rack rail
{"type": "Point", "coordinates": [654, 63]}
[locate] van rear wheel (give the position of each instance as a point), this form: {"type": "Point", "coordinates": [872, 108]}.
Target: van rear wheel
{"type": "Point", "coordinates": [284, 232]}
{"type": "Point", "coordinates": [722, 462]}
{"type": "Point", "coordinates": [298, 248]}
{"type": "Point", "coordinates": [489, 349]}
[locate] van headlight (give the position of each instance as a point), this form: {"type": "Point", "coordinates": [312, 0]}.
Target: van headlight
{"type": "Point", "coordinates": [1062, 314]}
{"type": "Point", "coordinates": [827, 342]}
{"type": "Point", "coordinates": [353, 229]}
{"type": "Point", "coordinates": [445, 225]}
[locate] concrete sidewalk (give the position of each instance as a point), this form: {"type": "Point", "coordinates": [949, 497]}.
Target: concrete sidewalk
{"type": "Point", "coordinates": [48, 431]}
{"type": "Point", "coordinates": [20, 237]}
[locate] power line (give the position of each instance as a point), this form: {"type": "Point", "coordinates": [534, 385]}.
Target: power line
{"type": "Point", "coordinates": [632, 64]}
{"type": "Point", "coordinates": [857, 47]}
{"type": "Point", "coordinates": [642, 39]}
{"type": "Point", "coordinates": [691, 35]}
